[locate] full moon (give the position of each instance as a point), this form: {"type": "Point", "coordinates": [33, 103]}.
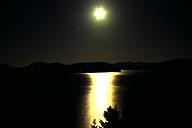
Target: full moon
{"type": "Point", "coordinates": [100, 13]}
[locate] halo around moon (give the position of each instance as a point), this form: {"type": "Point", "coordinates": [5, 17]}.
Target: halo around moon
{"type": "Point", "coordinates": [100, 13]}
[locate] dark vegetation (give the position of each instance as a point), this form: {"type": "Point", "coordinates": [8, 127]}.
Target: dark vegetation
{"type": "Point", "coordinates": [113, 119]}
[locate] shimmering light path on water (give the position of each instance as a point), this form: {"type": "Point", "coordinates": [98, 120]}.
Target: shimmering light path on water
{"type": "Point", "coordinates": [101, 95]}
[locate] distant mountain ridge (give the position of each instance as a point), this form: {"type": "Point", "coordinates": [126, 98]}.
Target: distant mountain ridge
{"type": "Point", "coordinates": [168, 64]}
{"type": "Point", "coordinates": [58, 68]}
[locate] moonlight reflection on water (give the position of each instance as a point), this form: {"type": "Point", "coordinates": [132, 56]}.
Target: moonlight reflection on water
{"type": "Point", "coordinates": [101, 95]}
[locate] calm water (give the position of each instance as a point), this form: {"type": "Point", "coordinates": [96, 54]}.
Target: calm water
{"type": "Point", "coordinates": [145, 98]}
{"type": "Point", "coordinates": [102, 90]}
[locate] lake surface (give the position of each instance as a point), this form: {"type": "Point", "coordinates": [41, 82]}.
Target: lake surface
{"type": "Point", "coordinates": [102, 91]}
{"type": "Point", "coordinates": [72, 100]}
{"type": "Point", "coordinates": [145, 98]}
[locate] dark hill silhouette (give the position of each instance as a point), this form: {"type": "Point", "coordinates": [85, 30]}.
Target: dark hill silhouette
{"type": "Point", "coordinates": [7, 69]}
{"type": "Point", "coordinates": [4, 67]}
{"type": "Point", "coordinates": [169, 64]}
{"type": "Point", "coordinates": [133, 65]}
{"type": "Point", "coordinates": [58, 68]}
{"type": "Point", "coordinates": [175, 64]}
{"type": "Point", "coordinates": [37, 67]}
{"type": "Point", "coordinates": [41, 67]}
{"type": "Point", "coordinates": [94, 67]}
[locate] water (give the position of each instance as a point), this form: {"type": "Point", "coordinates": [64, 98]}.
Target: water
{"type": "Point", "coordinates": [103, 91]}
{"type": "Point", "coordinates": [149, 98]}
{"type": "Point", "coordinates": [72, 100]}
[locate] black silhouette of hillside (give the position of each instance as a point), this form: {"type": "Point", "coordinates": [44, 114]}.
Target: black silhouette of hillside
{"type": "Point", "coordinates": [133, 65]}
{"type": "Point", "coordinates": [5, 67]}
{"type": "Point", "coordinates": [41, 67]}
{"type": "Point", "coordinates": [94, 67]}
{"type": "Point", "coordinates": [175, 64]}
{"type": "Point", "coordinates": [169, 64]}
{"type": "Point", "coordinates": [58, 68]}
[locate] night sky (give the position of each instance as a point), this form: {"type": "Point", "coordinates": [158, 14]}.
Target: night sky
{"type": "Point", "coordinates": [65, 31]}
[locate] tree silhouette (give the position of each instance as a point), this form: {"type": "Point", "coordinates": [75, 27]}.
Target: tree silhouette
{"type": "Point", "coordinates": [113, 120]}
{"type": "Point", "coordinates": [94, 125]}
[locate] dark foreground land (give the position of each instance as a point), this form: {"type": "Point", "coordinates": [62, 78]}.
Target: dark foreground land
{"type": "Point", "coordinates": [160, 97]}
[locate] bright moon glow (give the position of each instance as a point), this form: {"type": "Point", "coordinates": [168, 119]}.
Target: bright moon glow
{"type": "Point", "coordinates": [100, 13]}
